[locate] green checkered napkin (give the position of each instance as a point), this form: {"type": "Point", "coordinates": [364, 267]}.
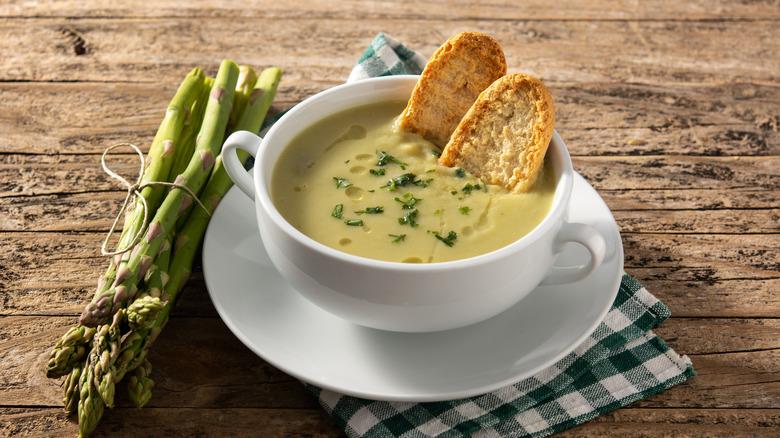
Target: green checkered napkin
{"type": "Point", "coordinates": [621, 361]}
{"type": "Point", "coordinates": [387, 56]}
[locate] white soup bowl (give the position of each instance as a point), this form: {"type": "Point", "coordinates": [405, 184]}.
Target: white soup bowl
{"type": "Point", "coordinates": [401, 296]}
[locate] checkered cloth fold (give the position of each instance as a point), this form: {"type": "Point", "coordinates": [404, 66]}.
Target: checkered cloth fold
{"type": "Point", "coordinates": [387, 56]}
{"type": "Point", "coordinates": [620, 362]}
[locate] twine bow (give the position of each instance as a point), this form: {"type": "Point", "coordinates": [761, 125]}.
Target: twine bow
{"type": "Point", "coordinates": [134, 190]}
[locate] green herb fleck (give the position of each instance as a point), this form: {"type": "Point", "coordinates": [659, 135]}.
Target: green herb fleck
{"type": "Point", "coordinates": [376, 172]}
{"type": "Point", "coordinates": [454, 192]}
{"type": "Point", "coordinates": [437, 212]}
{"type": "Point", "coordinates": [464, 210]}
{"type": "Point", "coordinates": [341, 182]}
{"type": "Point", "coordinates": [399, 181]}
{"type": "Point", "coordinates": [398, 237]}
{"type": "Point", "coordinates": [408, 218]}
{"type": "Point", "coordinates": [423, 183]}
{"type": "Point", "coordinates": [430, 171]}
{"type": "Point", "coordinates": [385, 158]}
{"type": "Point", "coordinates": [354, 222]}
{"type": "Point", "coordinates": [468, 188]}
{"type": "Point", "coordinates": [451, 236]}
{"type": "Point", "coordinates": [459, 172]}
{"type": "Point", "coordinates": [372, 210]}
{"type": "Point", "coordinates": [338, 210]}
{"type": "Point", "coordinates": [408, 201]}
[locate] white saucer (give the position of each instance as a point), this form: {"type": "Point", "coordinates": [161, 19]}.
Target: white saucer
{"type": "Point", "coordinates": [297, 337]}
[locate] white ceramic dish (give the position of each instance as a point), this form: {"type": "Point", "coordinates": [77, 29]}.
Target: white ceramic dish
{"type": "Point", "coordinates": [404, 297]}
{"type": "Point", "coordinates": [299, 338]}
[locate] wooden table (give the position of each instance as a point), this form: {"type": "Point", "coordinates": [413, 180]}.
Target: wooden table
{"type": "Point", "coordinates": [670, 110]}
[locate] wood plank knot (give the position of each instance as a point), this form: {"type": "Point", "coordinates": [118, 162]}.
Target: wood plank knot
{"type": "Point", "coordinates": [76, 42]}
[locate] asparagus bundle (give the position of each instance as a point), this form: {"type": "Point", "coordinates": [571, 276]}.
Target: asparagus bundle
{"type": "Point", "coordinates": [189, 238]}
{"type": "Point", "coordinates": [176, 202]}
{"type": "Point", "coordinates": [140, 287]}
{"type": "Point", "coordinates": [72, 347]}
{"type": "Point", "coordinates": [159, 160]}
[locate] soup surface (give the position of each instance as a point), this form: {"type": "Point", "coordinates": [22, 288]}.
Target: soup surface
{"type": "Point", "coordinates": [355, 183]}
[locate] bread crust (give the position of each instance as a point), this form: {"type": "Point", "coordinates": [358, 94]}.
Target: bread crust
{"type": "Point", "coordinates": [453, 78]}
{"type": "Point", "coordinates": [504, 136]}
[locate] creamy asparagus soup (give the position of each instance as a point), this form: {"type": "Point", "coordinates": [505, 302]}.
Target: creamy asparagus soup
{"type": "Point", "coordinates": [355, 183]}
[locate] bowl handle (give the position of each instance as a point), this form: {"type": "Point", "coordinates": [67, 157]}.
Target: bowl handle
{"type": "Point", "coordinates": [586, 236]}
{"type": "Point", "coordinates": [246, 141]}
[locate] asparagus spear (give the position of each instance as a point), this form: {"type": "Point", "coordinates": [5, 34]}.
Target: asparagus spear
{"type": "Point", "coordinates": [135, 347]}
{"type": "Point", "coordinates": [259, 100]}
{"type": "Point", "coordinates": [175, 203]}
{"type": "Point", "coordinates": [189, 131]}
{"type": "Point", "coordinates": [247, 78]}
{"type": "Point", "coordinates": [71, 399]}
{"type": "Point", "coordinates": [70, 350]}
{"type": "Point", "coordinates": [96, 382]}
{"type": "Point", "coordinates": [105, 350]}
{"type": "Point", "coordinates": [140, 384]}
{"type": "Point", "coordinates": [246, 83]}
{"type": "Point", "coordinates": [143, 311]}
{"type": "Point", "coordinates": [90, 405]}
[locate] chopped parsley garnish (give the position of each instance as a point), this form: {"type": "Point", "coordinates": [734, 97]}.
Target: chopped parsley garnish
{"type": "Point", "coordinates": [338, 210]}
{"type": "Point", "coordinates": [422, 183]}
{"type": "Point", "coordinates": [464, 210]}
{"type": "Point", "coordinates": [354, 222]}
{"type": "Point", "coordinates": [459, 172]}
{"type": "Point", "coordinates": [407, 178]}
{"type": "Point", "coordinates": [385, 158]}
{"type": "Point", "coordinates": [408, 201]}
{"type": "Point", "coordinates": [398, 237]}
{"type": "Point", "coordinates": [341, 182]}
{"type": "Point", "coordinates": [372, 210]}
{"type": "Point", "coordinates": [468, 188]}
{"type": "Point", "coordinates": [437, 212]}
{"type": "Point", "coordinates": [376, 172]}
{"type": "Point", "coordinates": [399, 181]}
{"type": "Point", "coordinates": [446, 240]}
{"type": "Point", "coordinates": [408, 218]}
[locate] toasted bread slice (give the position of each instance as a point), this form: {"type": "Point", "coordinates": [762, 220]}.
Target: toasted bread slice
{"type": "Point", "coordinates": [450, 83]}
{"type": "Point", "coordinates": [504, 136]}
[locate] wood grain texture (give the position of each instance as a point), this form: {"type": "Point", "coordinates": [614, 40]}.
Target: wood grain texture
{"type": "Point", "coordinates": [670, 110]}
{"type": "Point", "coordinates": [422, 10]}
{"type": "Point", "coordinates": [316, 56]}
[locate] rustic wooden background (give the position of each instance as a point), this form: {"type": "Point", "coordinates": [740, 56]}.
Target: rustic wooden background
{"type": "Point", "coordinates": [670, 109]}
